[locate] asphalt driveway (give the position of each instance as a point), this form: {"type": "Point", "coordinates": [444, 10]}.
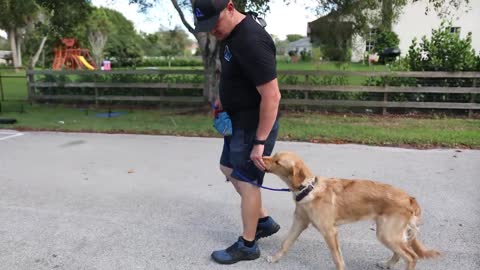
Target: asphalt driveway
{"type": "Point", "coordinates": [96, 201]}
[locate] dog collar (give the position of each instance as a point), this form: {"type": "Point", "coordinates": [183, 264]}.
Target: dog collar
{"type": "Point", "coordinates": [304, 190]}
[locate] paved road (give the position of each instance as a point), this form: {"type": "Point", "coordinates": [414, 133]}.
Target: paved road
{"type": "Point", "coordinates": [93, 201]}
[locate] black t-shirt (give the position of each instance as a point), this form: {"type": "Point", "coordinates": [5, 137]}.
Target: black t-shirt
{"type": "Point", "coordinates": [248, 60]}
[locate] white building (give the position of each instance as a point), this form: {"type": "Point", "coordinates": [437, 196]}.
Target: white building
{"type": "Point", "coordinates": [5, 56]}
{"type": "Point", "coordinates": [300, 45]}
{"type": "Point", "coordinates": [413, 22]}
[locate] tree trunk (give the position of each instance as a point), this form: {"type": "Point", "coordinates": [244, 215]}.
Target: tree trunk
{"type": "Point", "coordinates": [12, 36]}
{"type": "Point", "coordinates": [209, 47]}
{"type": "Point", "coordinates": [19, 50]}
{"type": "Point", "coordinates": [97, 40]}
{"type": "Point", "coordinates": [34, 59]}
{"type": "Point", "coordinates": [387, 15]}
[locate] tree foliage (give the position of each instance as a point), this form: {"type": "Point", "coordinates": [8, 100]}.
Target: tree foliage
{"type": "Point", "coordinates": [386, 39]}
{"type": "Point", "coordinates": [14, 17]}
{"type": "Point", "coordinates": [166, 42]}
{"type": "Point", "coordinates": [294, 37]}
{"type": "Point", "coordinates": [16, 14]}
{"type": "Point", "coordinates": [30, 23]}
{"type": "Point", "coordinates": [4, 44]}
{"type": "Point", "coordinates": [66, 16]}
{"type": "Point", "coordinates": [123, 46]}
{"type": "Point", "coordinates": [98, 26]}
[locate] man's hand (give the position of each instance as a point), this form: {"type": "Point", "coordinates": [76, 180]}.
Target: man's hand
{"type": "Point", "coordinates": [256, 156]}
{"type": "Point", "coordinates": [218, 105]}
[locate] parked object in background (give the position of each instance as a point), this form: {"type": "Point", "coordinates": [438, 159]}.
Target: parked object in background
{"type": "Point", "coordinates": [8, 121]}
{"type": "Point", "coordinates": [107, 65]}
{"type": "Point", "coordinates": [5, 57]}
{"type": "Point", "coordinates": [373, 58]}
{"type": "Point", "coordinates": [389, 54]}
{"type": "Point", "coordinates": [69, 55]}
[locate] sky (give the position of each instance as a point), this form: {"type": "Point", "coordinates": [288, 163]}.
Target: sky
{"type": "Point", "coordinates": [281, 20]}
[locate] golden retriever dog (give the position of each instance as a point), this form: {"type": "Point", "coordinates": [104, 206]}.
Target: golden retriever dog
{"type": "Point", "coordinates": [329, 202]}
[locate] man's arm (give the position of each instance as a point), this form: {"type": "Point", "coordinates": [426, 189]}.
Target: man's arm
{"type": "Point", "coordinates": [270, 100]}
{"type": "Point", "coordinates": [270, 94]}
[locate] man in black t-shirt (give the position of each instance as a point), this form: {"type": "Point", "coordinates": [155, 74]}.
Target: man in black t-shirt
{"type": "Point", "coordinates": [250, 95]}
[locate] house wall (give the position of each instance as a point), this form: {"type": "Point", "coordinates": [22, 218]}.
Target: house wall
{"type": "Point", "coordinates": [358, 48]}
{"type": "Point", "coordinates": [413, 22]}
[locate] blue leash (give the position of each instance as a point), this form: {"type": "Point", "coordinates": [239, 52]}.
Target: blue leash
{"type": "Point", "coordinates": [245, 179]}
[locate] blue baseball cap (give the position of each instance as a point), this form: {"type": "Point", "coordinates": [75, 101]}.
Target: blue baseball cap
{"type": "Point", "coordinates": [206, 13]}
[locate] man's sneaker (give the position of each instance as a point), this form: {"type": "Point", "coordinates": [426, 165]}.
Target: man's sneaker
{"type": "Point", "coordinates": [266, 228]}
{"type": "Point", "coordinates": [236, 252]}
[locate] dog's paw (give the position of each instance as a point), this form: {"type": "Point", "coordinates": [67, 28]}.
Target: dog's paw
{"type": "Point", "coordinates": [383, 265]}
{"type": "Point", "coordinates": [272, 259]}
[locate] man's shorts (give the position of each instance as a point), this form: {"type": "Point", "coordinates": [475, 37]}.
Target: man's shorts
{"type": "Point", "coordinates": [236, 153]}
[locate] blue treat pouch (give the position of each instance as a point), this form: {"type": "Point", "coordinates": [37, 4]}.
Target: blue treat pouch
{"type": "Point", "coordinates": [222, 123]}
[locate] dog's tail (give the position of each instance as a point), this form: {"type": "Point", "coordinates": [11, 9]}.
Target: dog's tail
{"type": "Point", "coordinates": [412, 233]}
{"type": "Point", "coordinates": [422, 252]}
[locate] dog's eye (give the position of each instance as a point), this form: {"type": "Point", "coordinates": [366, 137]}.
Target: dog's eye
{"type": "Point", "coordinates": [277, 162]}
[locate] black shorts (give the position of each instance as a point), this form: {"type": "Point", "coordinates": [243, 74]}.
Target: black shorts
{"type": "Point", "coordinates": [236, 153]}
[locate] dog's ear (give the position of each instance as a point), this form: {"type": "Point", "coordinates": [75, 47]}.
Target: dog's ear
{"type": "Point", "coordinates": [285, 163]}
{"type": "Point", "coordinates": [299, 173]}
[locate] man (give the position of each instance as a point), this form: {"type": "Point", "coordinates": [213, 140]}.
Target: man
{"type": "Point", "coordinates": [249, 93]}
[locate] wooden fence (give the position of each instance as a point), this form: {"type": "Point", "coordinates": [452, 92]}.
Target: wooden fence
{"type": "Point", "coordinates": [34, 87]}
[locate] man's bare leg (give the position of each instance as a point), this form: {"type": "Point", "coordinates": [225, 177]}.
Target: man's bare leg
{"type": "Point", "coordinates": [236, 183]}
{"type": "Point", "coordinates": [251, 204]}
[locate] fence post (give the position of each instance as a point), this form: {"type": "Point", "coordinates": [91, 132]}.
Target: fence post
{"type": "Point", "coordinates": [2, 98]}
{"type": "Point", "coordinates": [96, 90]}
{"type": "Point", "coordinates": [472, 98]}
{"type": "Point", "coordinates": [96, 97]}
{"type": "Point", "coordinates": [385, 94]}
{"type": "Point", "coordinates": [1, 91]}
{"type": "Point", "coordinates": [305, 93]}
{"type": "Point", "coordinates": [31, 85]}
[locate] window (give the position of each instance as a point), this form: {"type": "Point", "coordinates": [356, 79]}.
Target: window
{"type": "Point", "coordinates": [369, 46]}
{"type": "Point", "coordinates": [455, 30]}
{"type": "Point", "coordinates": [370, 39]}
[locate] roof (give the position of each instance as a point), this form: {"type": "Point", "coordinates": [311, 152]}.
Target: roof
{"type": "Point", "coordinates": [303, 42]}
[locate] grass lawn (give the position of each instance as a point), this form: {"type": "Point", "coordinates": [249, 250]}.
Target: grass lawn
{"type": "Point", "coordinates": [312, 127]}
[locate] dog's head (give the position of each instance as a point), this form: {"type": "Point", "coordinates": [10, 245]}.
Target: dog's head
{"type": "Point", "coordinates": [289, 167]}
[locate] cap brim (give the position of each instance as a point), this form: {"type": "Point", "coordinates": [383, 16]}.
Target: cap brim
{"type": "Point", "coordinates": [206, 25]}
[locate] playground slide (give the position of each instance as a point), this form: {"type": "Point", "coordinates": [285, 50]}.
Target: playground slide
{"type": "Point", "coordinates": [85, 62]}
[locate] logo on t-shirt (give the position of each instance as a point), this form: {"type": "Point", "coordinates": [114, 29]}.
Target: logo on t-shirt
{"type": "Point", "coordinates": [198, 13]}
{"type": "Point", "coordinates": [227, 54]}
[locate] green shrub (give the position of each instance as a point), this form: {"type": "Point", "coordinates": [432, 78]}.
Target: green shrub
{"type": "Point", "coordinates": [339, 54]}
{"type": "Point", "coordinates": [126, 78]}
{"type": "Point", "coordinates": [175, 62]}
{"type": "Point", "coordinates": [305, 56]}
{"type": "Point", "coordinates": [386, 39]}
{"type": "Point", "coordinates": [316, 53]}
{"type": "Point", "coordinates": [444, 51]}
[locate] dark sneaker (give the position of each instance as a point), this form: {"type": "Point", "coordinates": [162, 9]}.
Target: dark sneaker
{"type": "Point", "coordinates": [266, 228]}
{"type": "Point", "coordinates": [236, 252]}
